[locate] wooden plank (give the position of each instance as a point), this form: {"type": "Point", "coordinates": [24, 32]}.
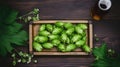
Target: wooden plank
{"type": "Point", "coordinates": [60, 53]}
{"type": "Point", "coordinates": [30, 38]}
{"type": "Point", "coordinates": [64, 9]}
{"type": "Point", "coordinates": [34, 32]}
{"type": "Point", "coordinates": [91, 35]}
{"type": "Point", "coordinates": [53, 21]}
{"type": "Point", "coordinates": [56, 9]}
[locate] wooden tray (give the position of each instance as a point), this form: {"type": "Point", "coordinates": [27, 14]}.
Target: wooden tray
{"type": "Point", "coordinates": [33, 30]}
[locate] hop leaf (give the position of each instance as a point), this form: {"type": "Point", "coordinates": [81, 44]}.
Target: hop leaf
{"type": "Point", "coordinates": [10, 31]}
{"type": "Point", "coordinates": [100, 52]}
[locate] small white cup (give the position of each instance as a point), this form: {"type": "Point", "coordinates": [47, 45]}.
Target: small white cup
{"type": "Point", "coordinates": [107, 3]}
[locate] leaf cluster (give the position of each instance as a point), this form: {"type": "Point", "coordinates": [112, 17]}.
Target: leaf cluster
{"type": "Point", "coordinates": [11, 32]}
{"type": "Point", "coordinates": [105, 58]}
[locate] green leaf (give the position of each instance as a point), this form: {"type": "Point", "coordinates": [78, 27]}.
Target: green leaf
{"type": "Point", "coordinates": [19, 38]}
{"type": "Point", "coordinates": [14, 28]}
{"type": "Point", "coordinates": [3, 51]}
{"type": "Point", "coordinates": [101, 63]}
{"type": "Point", "coordinates": [10, 31]}
{"type": "Point", "coordinates": [11, 17]}
{"type": "Point", "coordinates": [17, 26]}
{"type": "Point", "coordinates": [100, 52]}
{"type": "Point", "coordinates": [5, 47]}
{"type": "Point", "coordinates": [8, 47]}
{"type": "Point", "coordinates": [104, 59]}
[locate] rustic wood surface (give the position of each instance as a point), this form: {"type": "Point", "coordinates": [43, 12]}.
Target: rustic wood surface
{"type": "Point", "coordinates": [107, 29]}
{"type": "Point", "coordinates": [64, 9]}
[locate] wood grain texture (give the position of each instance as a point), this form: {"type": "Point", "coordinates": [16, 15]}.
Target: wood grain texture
{"type": "Point", "coordinates": [57, 9]}
{"type": "Point", "coordinates": [60, 62]}
{"type": "Point", "coordinates": [64, 9]}
{"type": "Point", "coordinates": [107, 29]}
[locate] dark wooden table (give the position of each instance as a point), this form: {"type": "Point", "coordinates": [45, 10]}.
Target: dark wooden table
{"type": "Point", "coordinates": [107, 29]}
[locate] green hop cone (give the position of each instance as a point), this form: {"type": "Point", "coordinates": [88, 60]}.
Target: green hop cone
{"type": "Point", "coordinates": [70, 47]}
{"type": "Point", "coordinates": [86, 48]}
{"type": "Point", "coordinates": [49, 27]}
{"type": "Point", "coordinates": [76, 37]}
{"type": "Point", "coordinates": [55, 42]}
{"type": "Point", "coordinates": [61, 47]}
{"type": "Point", "coordinates": [42, 39]}
{"type": "Point", "coordinates": [36, 38]}
{"type": "Point", "coordinates": [52, 37]}
{"type": "Point", "coordinates": [70, 31]}
{"type": "Point", "coordinates": [42, 27]}
{"type": "Point", "coordinates": [59, 24]}
{"type": "Point", "coordinates": [37, 46]}
{"type": "Point", "coordinates": [80, 43]}
{"type": "Point", "coordinates": [47, 45]}
{"type": "Point", "coordinates": [44, 33]}
{"type": "Point", "coordinates": [57, 30]}
{"type": "Point", "coordinates": [84, 38]}
{"type": "Point", "coordinates": [68, 25]}
{"type": "Point", "coordinates": [79, 30]}
{"type": "Point", "coordinates": [64, 37]}
{"type": "Point", "coordinates": [83, 26]}
{"type": "Point", "coordinates": [68, 40]}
